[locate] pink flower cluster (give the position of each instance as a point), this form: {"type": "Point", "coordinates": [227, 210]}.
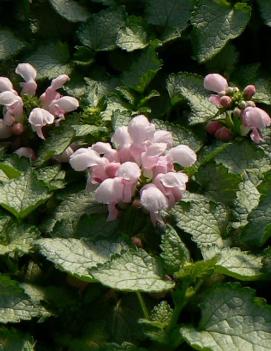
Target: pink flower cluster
{"type": "Point", "coordinates": [253, 118]}
{"type": "Point", "coordinates": [142, 162]}
{"type": "Point", "coordinates": [53, 105]}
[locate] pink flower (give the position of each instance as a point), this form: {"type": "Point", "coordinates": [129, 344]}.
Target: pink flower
{"type": "Point", "coordinates": [163, 136]}
{"type": "Point", "coordinates": [28, 73]}
{"type": "Point", "coordinates": [140, 129]}
{"type": "Point", "coordinates": [64, 104]}
{"type": "Point", "coordinates": [39, 118]}
{"type": "Point", "coordinates": [150, 157]}
{"type": "Point", "coordinates": [183, 155]}
{"type": "Point", "coordinates": [129, 172]}
{"type": "Point", "coordinates": [223, 134]}
{"type": "Point", "coordinates": [110, 192]}
{"type": "Point", "coordinates": [13, 106]}
{"type": "Point", "coordinates": [153, 200]}
{"type": "Point", "coordinates": [84, 158]}
{"type": "Point", "coordinates": [121, 138]}
{"type": "Point", "coordinates": [172, 185]}
{"type": "Point", "coordinates": [255, 117]}
{"type": "Point", "coordinates": [5, 85]}
{"type": "Point", "coordinates": [106, 150]}
{"type": "Point", "coordinates": [215, 82]}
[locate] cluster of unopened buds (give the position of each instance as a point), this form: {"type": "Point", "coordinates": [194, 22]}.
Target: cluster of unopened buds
{"type": "Point", "coordinates": [140, 169]}
{"type": "Point", "coordinates": [242, 115]}
{"type": "Point", "coordinates": [53, 106]}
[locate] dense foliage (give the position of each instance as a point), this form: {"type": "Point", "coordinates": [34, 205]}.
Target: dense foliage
{"type": "Point", "coordinates": [197, 279]}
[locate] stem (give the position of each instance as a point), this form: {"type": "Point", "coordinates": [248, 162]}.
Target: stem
{"type": "Point", "coordinates": [143, 305]}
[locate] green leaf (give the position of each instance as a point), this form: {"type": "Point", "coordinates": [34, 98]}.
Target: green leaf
{"type": "Point", "coordinates": [180, 134]}
{"type": "Point", "coordinates": [223, 186]}
{"type": "Point", "coordinates": [68, 213]}
{"type": "Point", "coordinates": [78, 256]}
{"type": "Point", "coordinates": [215, 23]}
{"type": "Point", "coordinates": [174, 253]}
{"type": "Point", "coordinates": [133, 270]}
{"type": "Point", "coordinates": [243, 156]}
{"type": "Point", "coordinates": [23, 195]}
{"type": "Point", "coordinates": [190, 86]}
{"type": "Point", "coordinates": [247, 198]}
{"type": "Point", "coordinates": [10, 45]}
{"type": "Point", "coordinates": [97, 89]}
{"type": "Point", "coordinates": [14, 166]}
{"type": "Point", "coordinates": [142, 70]}
{"type": "Point", "coordinates": [87, 129]}
{"type": "Point", "coordinates": [70, 10]}
{"type": "Point", "coordinates": [17, 238]}
{"type": "Point", "coordinates": [52, 177]}
{"type": "Point", "coordinates": [198, 218]}
{"type": "Point", "coordinates": [57, 142]}
{"type": "Point", "coordinates": [258, 229]}
{"type": "Point", "coordinates": [232, 319]}
{"type": "Point", "coordinates": [51, 60]}
{"type": "Point", "coordinates": [219, 64]}
{"type": "Point", "coordinates": [172, 15]}
{"type": "Point", "coordinates": [101, 30]}
{"type": "Point", "coordinates": [265, 9]}
{"type": "Point", "coordinates": [235, 263]}
{"type": "Point", "coordinates": [133, 36]}
{"type": "Point", "coordinates": [15, 304]}
{"type": "Point", "coordinates": [14, 340]}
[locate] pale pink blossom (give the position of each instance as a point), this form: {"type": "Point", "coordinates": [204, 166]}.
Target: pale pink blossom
{"type": "Point", "coordinates": [13, 106]}
{"type": "Point", "coordinates": [215, 82]}
{"type": "Point", "coordinates": [106, 150]}
{"type": "Point", "coordinates": [140, 129]}
{"type": "Point", "coordinates": [59, 82]}
{"type": "Point", "coordinates": [5, 85]}
{"type": "Point", "coordinates": [150, 157]}
{"type": "Point", "coordinates": [39, 118]}
{"type": "Point", "coordinates": [154, 201]}
{"type": "Point", "coordinates": [129, 172]}
{"type": "Point", "coordinates": [163, 136]}
{"type": "Point", "coordinates": [28, 73]}
{"type": "Point", "coordinates": [255, 117]}
{"type": "Point", "coordinates": [64, 104]}
{"type": "Point", "coordinates": [183, 155]}
{"type": "Point", "coordinates": [84, 158]}
{"type": "Point", "coordinates": [121, 138]}
{"type": "Point", "coordinates": [172, 185]}
{"type": "Point", "coordinates": [215, 100]}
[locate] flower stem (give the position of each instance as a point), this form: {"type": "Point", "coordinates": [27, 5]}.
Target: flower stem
{"type": "Point", "coordinates": [143, 305]}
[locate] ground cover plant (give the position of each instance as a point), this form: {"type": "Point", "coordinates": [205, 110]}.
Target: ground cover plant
{"type": "Point", "coordinates": [135, 175]}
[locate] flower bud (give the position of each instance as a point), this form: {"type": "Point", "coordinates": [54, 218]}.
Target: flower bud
{"type": "Point", "coordinates": [249, 91]}
{"type": "Point", "coordinates": [215, 82]}
{"type": "Point", "coordinates": [229, 91]}
{"type": "Point", "coordinates": [255, 117]}
{"type": "Point", "coordinates": [242, 105]}
{"type": "Point", "coordinates": [251, 103]}
{"type": "Point", "coordinates": [213, 126]}
{"type": "Point", "coordinates": [17, 128]}
{"type": "Point", "coordinates": [26, 152]}
{"type": "Point", "coordinates": [225, 101]}
{"type": "Point", "coordinates": [223, 134]}
{"type": "Point", "coordinates": [237, 112]}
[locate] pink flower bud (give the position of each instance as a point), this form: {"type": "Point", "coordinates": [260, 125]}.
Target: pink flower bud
{"type": "Point", "coordinates": [17, 128]}
{"type": "Point", "coordinates": [183, 155]}
{"type": "Point", "coordinates": [223, 134]}
{"type": "Point", "coordinates": [225, 101]}
{"type": "Point", "coordinates": [215, 100]}
{"type": "Point", "coordinates": [255, 117]}
{"type": "Point", "coordinates": [249, 91]}
{"type": "Point", "coordinates": [215, 82]}
{"type": "Point", "coordinates": [213, 126]}
{"type": "Point", "coordinates": [26, 152]}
